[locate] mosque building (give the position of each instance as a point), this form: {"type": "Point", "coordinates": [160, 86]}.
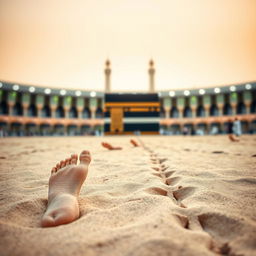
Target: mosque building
{"type": "Point", "coordinates": [29, 110]}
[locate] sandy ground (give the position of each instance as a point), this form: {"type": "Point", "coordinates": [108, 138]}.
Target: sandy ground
{"type": "Point", "coordinates": [174, 196]}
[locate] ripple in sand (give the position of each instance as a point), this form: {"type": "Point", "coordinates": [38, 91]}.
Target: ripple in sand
{"type": "Point", "coordinates": [243, 181]}
{"type": "Point", "coordinates": [26, 213]}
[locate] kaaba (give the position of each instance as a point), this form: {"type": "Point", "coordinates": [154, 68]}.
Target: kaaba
{"type": "Point", "coordinates": [129, 113]}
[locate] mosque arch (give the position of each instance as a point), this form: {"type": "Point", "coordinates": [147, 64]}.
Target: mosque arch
{"type": "Point", "coordinates": [86, 113]}
{"type": "Point", "coordinates": [98, 130]}
{"type": "Point", "coordinates": [3, 129]}
{"type": "Point", "coordinates": [31, 129]}
{"type": "Point", "coordinates": [214, 111]}
{"type": "Point", "coordinates": [32, 110]}
{"type": "Point", "coordinates": [72, 130]}
{"type": "Point", "coordinates": [175, 129]}
{"type": "Point", "coordinates": [245, 126]}
{"type": "Point", "coordinates": [200, 112]}
{"type": "Point", "coordinates": [162, 112]}
{"type": "Point", "coordinates": [46, 111]}
{"type": "Point", "coordinates": [16, 129]}
{"type": "Point", "coordinates": [241, 108]}
{"type": "Point", "coordinates": [187, 112]}
{"type": "Point", "coordinates": [163, 129]}
{"type": "Point", "coordinates": [73, 112]}
{"type": "Point", "coordinates": [17, 109]}
{"type": "Point", "coordinates": [215, 128]}
{"type": "Point", "coordinates": [253, 107]}
{"type": "Point", "coordinates": [99, 113]}
{"type": "Point", "coordinates": [253, 126]}
{"type": "Point", "coordinates": [174, 112]}
{"type": "Point", "coordinates": [227, 110]}
{"type": "Point", "coordinates": [59, 129]}
{"type": "Point", "coordinates": [60, 113]}
{"type": "Point", "coordinates": [201, 128]}
{"type": "Point", "coordinates": [45, 129]}
{"type": "Point", "coordinates": [4, 108]}
{"type": "Point", "coordinates": [85, 129]}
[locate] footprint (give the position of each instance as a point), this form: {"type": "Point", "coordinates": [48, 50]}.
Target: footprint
{"type": "Point", "coordinates": [157, 191]}
{"type": "Point", "coordinates": [157, 174]}
{"type": "Point", "coordinates": [164, 168]}
{"type": "Point", "coordinates": [155, 168]}
{"type": "Point", "coordinates": [219, 226]}
{"type": "Point", "coordinates": [183, 220]}
{"type": "Point", "coordinates": [183, 193]}
{"type": "Point", "coordinates": [218, 152]}
{"type": "Point", "coordinates": [172, 181]}
{"type": "Point", "coordinates": [162, 160]}
{"type": "Point", "coordinates": [168, 174]}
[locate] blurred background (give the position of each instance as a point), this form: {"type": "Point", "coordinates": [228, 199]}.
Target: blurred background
{"type": "Point", "coordinates": [58, 59]}
{"type": "Point", "coordinates": [64, 43]}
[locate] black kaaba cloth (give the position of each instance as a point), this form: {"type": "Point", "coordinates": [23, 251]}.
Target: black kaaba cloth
{"type": "Point", "coordinates": [127, 113]}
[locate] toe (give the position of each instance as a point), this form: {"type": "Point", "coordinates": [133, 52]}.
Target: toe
{"type": "Point", "coordinates": [62, 164]}
{"type": "Point", "coordinates": [57, 166]}
{"type": "Point", "coordinates": [67, 161]}
{"type": "Point", "coordinates": [74, 159]}
{"type": "Point", "coordinates": [85, 157]}
{"type": "Point", "coordinates": [54, 169]}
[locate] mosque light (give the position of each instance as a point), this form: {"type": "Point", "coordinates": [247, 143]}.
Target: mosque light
{"type": "Point", "coordinates": [63, 92]}
{"type": "Point", "coordinates": [201, 91]}
{"type": "Point", "coordinates": [16, 87]}
{"type": "Point", "coordinates": [232, 88]}
{"type": "Point", "coordinates": [217, 90]}
{"type": "Point", "coordinates": [248, 86]}
{"type": "Point", "coordinates": [78, 93]}
{"type": "Point", "coordinates": [186, 92]}
{"type": "Point", "coordinates": [172, 93]}
{"type": "Point", "coordinates": [93, 94]}
{"type": "Point", "coordinates": [47, 91]}
{"type": "Point", "coordinates": [31, 89]}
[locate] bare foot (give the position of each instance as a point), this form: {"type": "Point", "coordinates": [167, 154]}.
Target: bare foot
{"type": "Point", "coordinates": [110, 147]}
{"type": "Point", "coordinates": [233, 138]}
{"type": "Point", "coordinates": [134, 143]}
{"type": "Point", "coordinates": [64, 187]}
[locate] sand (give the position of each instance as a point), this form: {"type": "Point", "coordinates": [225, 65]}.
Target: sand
{"type": "Point", "coordinates": [174, 196]}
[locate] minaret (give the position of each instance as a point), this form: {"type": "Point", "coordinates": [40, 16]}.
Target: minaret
{"type": "Point", "coordinates": [151, 72]}
{"type": "Point", "coordinates": [107, 76]}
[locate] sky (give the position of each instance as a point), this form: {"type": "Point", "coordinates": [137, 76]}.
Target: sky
{"type": "Point", "coordinates": [65, 43]}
